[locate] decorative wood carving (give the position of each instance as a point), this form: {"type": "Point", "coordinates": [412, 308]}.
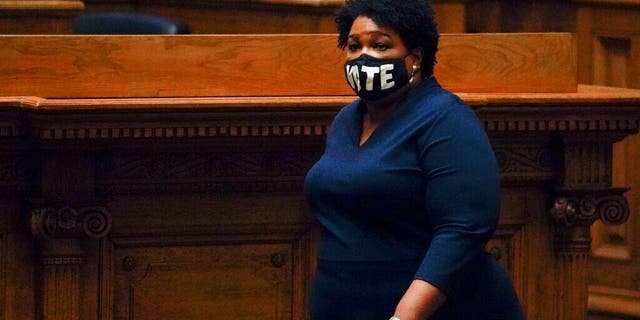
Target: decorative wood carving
{"type": "Point", "coordinates": [277, 169]}
{"type": "Point", "coordinates": [60, 228]}
{"type": "Point", "coordinates": [583, 207]}
{"type": "Point", "coordinates": [67, 222]}
{"type": "Point", "coordinates": [574, 210]}
{"type": "Point", "coordinates": [524, 163]}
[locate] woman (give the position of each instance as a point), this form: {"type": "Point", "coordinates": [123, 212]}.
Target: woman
{"type": "Point", "coordinates": [407, 190]}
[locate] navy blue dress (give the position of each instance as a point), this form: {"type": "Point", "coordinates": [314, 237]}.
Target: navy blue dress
{"type": "Point", "coordinates": [418, 200]}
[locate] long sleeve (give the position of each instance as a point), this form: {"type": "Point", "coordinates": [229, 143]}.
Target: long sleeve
{"type": "Point", "coordinates": [462, 194]}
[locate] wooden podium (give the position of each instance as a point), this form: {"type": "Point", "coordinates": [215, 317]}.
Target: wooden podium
{"type": "Point", "coordinates": [160, 177]}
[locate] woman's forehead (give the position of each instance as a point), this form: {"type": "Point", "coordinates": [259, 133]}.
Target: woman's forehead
{"type": "Point", "coordinates": [364, 25]}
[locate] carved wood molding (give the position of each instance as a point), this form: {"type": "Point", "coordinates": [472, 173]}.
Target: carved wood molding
{"type": "Point", "coordinates": [592, 111]}
{"type": "Point", "coordinates": [8, 130]}
{"type": "Point", "coordinates": [223, 123]}
{"type": "Point", "coordinates": [314, 118]}
{"type": "Point", "coordinates": [574, 210]}
{"type": "Point", "coordinates": [151, 131]}
{"type": "Point", "coordinates": [171, 132]}
{"type": "Point", "coordinates": [286, 129]}
{"type": "Point", "coordinates": [222, 169]}
{"type": "Point", "coordinates": [576, 207]}
{"type": "Point", "coordinates": [48, 222]}
{"type": "Point", "coordinates": [520, 162]}
{"type": "Point", "coordinates": [226, 168]}
{"type": "Point", "coordinates": [579, 118]}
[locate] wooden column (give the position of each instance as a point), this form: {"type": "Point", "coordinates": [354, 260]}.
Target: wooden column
{"type": "Point", "coordinates": [585, 196]}
{"type": "Point", "coordinates": [65, 218]}
{"type": "Point", "coordinates": [61, 230]}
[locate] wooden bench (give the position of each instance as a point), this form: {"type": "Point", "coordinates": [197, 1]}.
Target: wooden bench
{"type": "Point", "coordinates": [162, 174]}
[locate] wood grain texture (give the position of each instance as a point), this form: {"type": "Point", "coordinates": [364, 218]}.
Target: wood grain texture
{"type": "Point", "coordinates": [508, 63]}
{"type": "Point", "coordinates": [262, 65]}
{"type": "Point", "coordinates": [204, 282]}
{"type": "Point", "coordinates": [41, 5]}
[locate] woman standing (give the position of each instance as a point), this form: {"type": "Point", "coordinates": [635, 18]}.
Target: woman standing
{"type": "Point", "coordinates": [407, 190]}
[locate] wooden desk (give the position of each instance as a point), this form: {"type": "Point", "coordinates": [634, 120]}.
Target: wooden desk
{"type": "Point", "coordinates": [169, 185]}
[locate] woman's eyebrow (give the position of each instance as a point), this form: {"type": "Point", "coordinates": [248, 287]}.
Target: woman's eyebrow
{"type": "Point", "coordinates": [371, 33]}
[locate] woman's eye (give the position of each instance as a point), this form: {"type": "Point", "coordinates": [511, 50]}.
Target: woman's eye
{"type": "Point", "coordinates": [353, 47]}
{"type": "Point", "coordinates": [380, 46]}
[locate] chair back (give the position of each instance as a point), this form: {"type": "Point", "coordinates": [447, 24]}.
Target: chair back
{"type": "Point", "coordinates": [127, 23]}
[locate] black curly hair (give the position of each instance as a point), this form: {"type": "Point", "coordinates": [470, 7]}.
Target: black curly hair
{"type": "Point", "coordinates": [413, 20]}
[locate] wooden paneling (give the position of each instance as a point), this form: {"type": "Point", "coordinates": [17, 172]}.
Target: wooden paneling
{"type": "Point", "coordinates": [17, 265]}
{"type": "Point", "coordinates": [204, 282]}
{"type": "Point", "coordinates": [203, 17]}
{"type": "Point", "coordinates": [106, 66]}
{"type": "Point", "coordinates": [613, 278]}
{"type": "Point", "coordinates": [520, 16]}
{"type": "Point", "coordinates": [152, 206]}
{"type": "Point", "coordinates": [611, 57]}
{"type": "Point", "coordinates": [608, 54]}
{"type": "Point", "coordinates": [450, 16]}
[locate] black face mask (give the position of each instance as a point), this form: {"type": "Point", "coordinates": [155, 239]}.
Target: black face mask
{"type": "Point", "coordinates": [373, 79]}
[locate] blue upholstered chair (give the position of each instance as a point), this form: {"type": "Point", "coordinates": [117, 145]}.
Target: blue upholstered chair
{"type": "Point", "coordinates": [127, 23]}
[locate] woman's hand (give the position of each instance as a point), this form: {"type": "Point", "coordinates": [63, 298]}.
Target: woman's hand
{"type": "Point", "coordinates": [420, 301]}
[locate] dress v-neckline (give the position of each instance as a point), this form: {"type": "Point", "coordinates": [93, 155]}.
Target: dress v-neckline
{"type": "Point", "coordinates": [402, 103]}
{"type": "Point", "coordinates": [360, 139]}
{"type": "Point", "coordinates": [359, 125]}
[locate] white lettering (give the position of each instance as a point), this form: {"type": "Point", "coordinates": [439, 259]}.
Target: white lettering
{"type": "Point", "coordinates": [353, 76]}
{"type": "Point", "coordinates": [371, 73]}
{"type": "Point", "coordinates": [386, 78]}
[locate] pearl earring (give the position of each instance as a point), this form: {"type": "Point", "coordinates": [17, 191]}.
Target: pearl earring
{"type": "Point", "coordinates": [413, 72]}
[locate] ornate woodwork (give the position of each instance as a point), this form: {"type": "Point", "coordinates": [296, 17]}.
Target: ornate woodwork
{"type": "Point", "coordinates": [191, 206]}
{"type": "Point", "coordinates": [608, 45]}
